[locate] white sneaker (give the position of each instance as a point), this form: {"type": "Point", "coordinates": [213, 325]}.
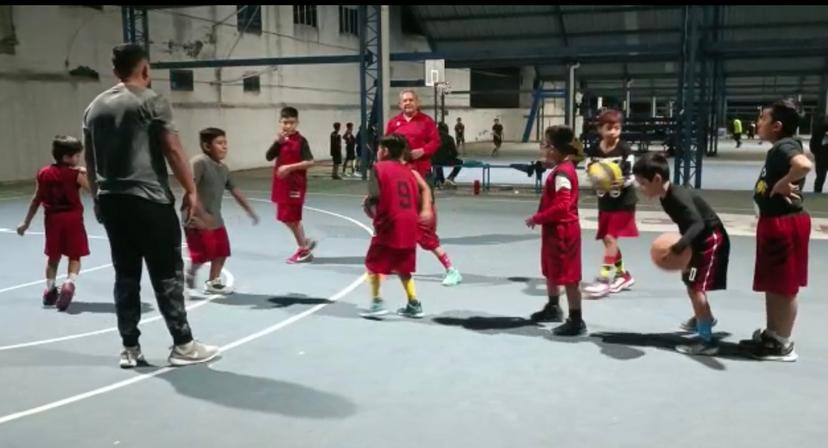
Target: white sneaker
{"type": "Point", "coordinates": [622, 282]}
{"type": "Point", "coordinates": [217, 287]}
{"type": "Point", "coordinates": [131, 357]}
{"type": "Point", "coordinates": [598, 289]}
{"type": "Point", "coordinates": [193, 352]}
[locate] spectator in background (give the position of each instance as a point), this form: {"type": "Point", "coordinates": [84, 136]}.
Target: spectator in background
{"type": "Point", "coordinates": [350, 146]}
{"type": "Point", "coordinates": [460, 134]}
{"type": "Point", "coordinates": [497, 136]}
{"type": "Point", "coordinates": [737, 131]}
{"type": "Point", "coordinates": [446, 156]}
{"type": "Point", "coordinates": [336, 151]}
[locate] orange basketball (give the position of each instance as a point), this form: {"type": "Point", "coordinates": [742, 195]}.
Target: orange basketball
{"type": "Point", "coordinates": [666, 260]}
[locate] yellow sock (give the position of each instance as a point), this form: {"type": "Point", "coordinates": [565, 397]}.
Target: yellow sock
{"type": "Point", "coordinates": [375, 280]}
{"type": "Point", "coordinates": [410, 292]}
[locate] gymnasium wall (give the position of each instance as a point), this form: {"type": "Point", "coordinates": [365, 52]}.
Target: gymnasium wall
{"type": "Point", "coordinates": [40, 99]}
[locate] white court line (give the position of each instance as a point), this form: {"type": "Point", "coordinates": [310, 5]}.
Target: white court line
{"type": "Point", "coordinates": [230, 281]}
{"type": "Point", "coordinates": [227, 347]}
{"type": "Point", "coordinates": [29, 232]}
{"type": "Point", "coordinates": [346, 195]}
{"type": "Point", "coordinates": [43, 281]}
{"type": "Point", "coordinates": [10, 198]}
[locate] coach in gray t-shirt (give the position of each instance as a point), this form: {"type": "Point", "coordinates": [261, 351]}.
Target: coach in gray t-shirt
{"type": "Point", "coordinates": [127, 124]}
{"type": "Point", "coordinates": [129, 137]}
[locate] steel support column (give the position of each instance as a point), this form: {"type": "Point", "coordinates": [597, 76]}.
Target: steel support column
{"type": "Point", "coordinates": [135, 26]}
{"type": "Point", "coordinates": [370, 83]}
{"type": "Point", "coordinates": [686, 163]}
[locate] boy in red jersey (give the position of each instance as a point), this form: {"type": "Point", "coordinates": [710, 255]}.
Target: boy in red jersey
{"type": "Point", "coordinates": [398, 198]}
{"type": "Point", "coordinates": [561, 236]}
{"type": "Point", "coordinates": [290, 181]}
{"type": "Point", "coordinates": [58, 191]}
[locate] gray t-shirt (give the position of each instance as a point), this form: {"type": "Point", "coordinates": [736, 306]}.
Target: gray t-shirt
{"type": "Point", "coordinates": [122, 131]}
{"type": "Point", "coordinates": [211, 179]}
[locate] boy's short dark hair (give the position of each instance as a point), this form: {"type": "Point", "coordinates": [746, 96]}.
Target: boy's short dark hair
{"type": "Point", "coordinates": [289, 112]}
{"type": "Point", "coordinates": [207, 135]}
{"type": "Point", "coordinates": [561, 138]}
{"type": "Point", "coordinates": [651, 164]}
{"type": "Point", "coordinates": [786, 111]}
{"type": "Point", "coordinates": [610, 116]}
{"type": "Point", "coordinates": [126, 57]}
{"type": "Point", "coordinates": [64, 145]}
{"type": "Point", "coordinates": [337, 125]}
{"type": "Point", "coordinates": [396, 144]}
{"type": "Point", "coordinates": [349, 125]}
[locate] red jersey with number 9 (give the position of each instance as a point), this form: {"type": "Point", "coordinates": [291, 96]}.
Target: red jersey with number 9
{"type": "Point", "coordinates": [395, 221]}
{"type": "Point", "coordinates": [57, 187]}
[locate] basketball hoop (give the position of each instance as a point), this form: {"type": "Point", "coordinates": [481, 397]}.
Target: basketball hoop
{"type": "Point", "coordinates": [443, 88]}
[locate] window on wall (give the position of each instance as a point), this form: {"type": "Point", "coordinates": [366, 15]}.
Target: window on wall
{"type": "Point", "coordinates": [249, 18]}
{"type": "Point", "coordinates": [252, 84]}
{"type": "Point", "coordinates": [181, 80]}
{"type": "Point", "coordinates": [348, 21]}
{"type": "Point", "coordinates": [305, 15]}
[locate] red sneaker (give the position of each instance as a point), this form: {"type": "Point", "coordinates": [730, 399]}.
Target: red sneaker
{"type": "Point", "coordinates": [67, 292]}
{"type": "Point", "coordinates": [50, 296]}
{"type": "Point", "coordinates": [300, 256]}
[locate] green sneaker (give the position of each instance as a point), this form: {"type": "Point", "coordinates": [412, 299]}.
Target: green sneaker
{"type": "Point", "coordinates": [413, 310]}
{"type": "Point", "coordinates": [377, 309]}
{"type": "Point", "coordinates": [453, 277]}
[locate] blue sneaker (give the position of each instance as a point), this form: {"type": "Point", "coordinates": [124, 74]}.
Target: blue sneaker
{"type": "Point", "coordinates": [412, 310]}
{"type": "Point", "coordinates": [452, 278]}
{"type": "Point", "coordinates": [377, 309]}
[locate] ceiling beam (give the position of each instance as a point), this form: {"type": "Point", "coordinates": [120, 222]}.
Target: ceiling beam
{"type": "Point", "coordinates": [546, 13]}
{"type": "Point", "coordinates": [562, 27]}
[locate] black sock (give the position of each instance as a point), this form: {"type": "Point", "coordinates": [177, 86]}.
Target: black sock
{"type": "Point", "coordinates": [575, 315]}
{"type": "Point", "coordinates": [554, 301]}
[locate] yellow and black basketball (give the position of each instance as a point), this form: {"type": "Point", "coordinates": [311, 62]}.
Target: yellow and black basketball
{"type": "Point", "coordinates": [604, 175]}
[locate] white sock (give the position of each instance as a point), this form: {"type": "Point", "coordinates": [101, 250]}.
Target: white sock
{"type": "Point", "coordinates": [72, 278]}
{"type": "Point", "coordinates": [780, 339]}
{"type": "Point", "coordinates": [50, 283]}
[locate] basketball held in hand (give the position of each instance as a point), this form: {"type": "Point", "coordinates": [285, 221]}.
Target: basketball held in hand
{"type": "Point", "coordinates": [666, 259]}
{"type": "Point", "coordinates": [369, 208]}
{"type": "Point", "coordinates": [604, 175]}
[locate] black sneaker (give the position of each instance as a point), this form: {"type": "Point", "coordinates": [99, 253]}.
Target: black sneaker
{"type": "Point", "coordinates": [755, 340]}
{"type": "Point", "coordinates": [772, 350]}
{"type": "Point", "coordinates": [549, 313]}
{"type": "Point", "coordinates": [570, 328]}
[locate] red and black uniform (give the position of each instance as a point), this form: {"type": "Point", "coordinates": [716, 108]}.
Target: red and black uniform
{"type": "Point", "coordinates": [702, 231]}
{"type": "Point", "coordinates": [784, 228]}
{"type": "Point", "coordinates": [57, 187]}
{"type": "Point", "coordinates": [421, 132]}
{"type": "Point", "coordinates": [616, 209]}
{"type": "Point", "coordinates": [561, 234]}
{"type": "Point", "coordinates": [289, 193]}
{"type": "Point", "coordinates": [394, 245]}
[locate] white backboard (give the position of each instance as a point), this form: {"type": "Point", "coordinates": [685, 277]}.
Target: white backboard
{"type": "Point", "coordinates": [435, 71]}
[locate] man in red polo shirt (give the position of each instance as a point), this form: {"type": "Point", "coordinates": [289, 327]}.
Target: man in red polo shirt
{"type": "Point", "coordinates": [420, 131]}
